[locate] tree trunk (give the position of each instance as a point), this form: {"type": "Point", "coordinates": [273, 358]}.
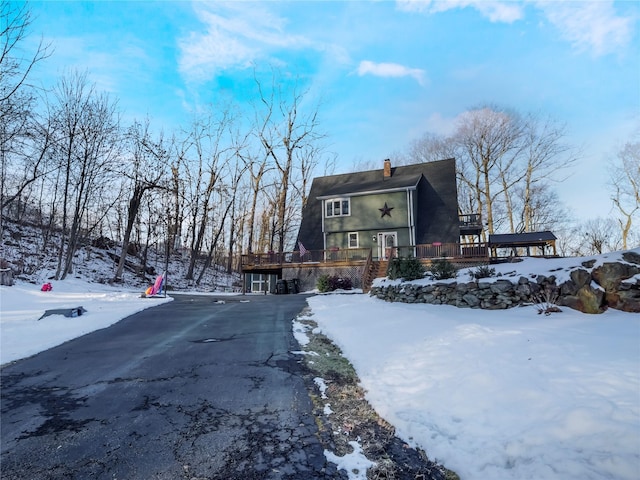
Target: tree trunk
{"type": "Point", "coordinates": [134, 207]}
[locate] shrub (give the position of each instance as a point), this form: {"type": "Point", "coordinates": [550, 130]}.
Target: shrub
{"type": "Point", "coordinates": [482, 271]}
{"type": "Point", "coordinates": [328, 283]}
{"type": "Point", "coordinates": [547, 301]}
{"type": "Point", "coordinates": [323, 283]}
{"type": "Point", "coordinates": [442, 269]}
{"type": "Point", "coordinates": [409, 268]}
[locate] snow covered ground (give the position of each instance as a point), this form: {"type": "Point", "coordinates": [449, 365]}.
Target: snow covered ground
{"type": "Point", "coordinates": [491, 394]}
{"type": "Point", "coordinates": [23, 333]}
{"type": "Point", "coordinates": [499, 394]}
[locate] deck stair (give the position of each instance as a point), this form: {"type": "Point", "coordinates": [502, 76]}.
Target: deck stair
{"type": "Point", "coordinates": [377, 268]}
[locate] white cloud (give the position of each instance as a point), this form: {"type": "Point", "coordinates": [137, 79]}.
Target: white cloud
{"type": "Point", "coordinates": [590, 26]}
{"type": "Point", "coordinates": [395, 70]}
{"type": "Point", "coordinates": [495, 11]}
{"type": "Point", "coordinates": [234, 36]}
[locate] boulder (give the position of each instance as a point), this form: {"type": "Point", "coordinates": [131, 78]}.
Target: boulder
{"type": "Point", "coordinates": [626, 298]}
{"type": "Point", "coordinates": [609, 275]}
{"type": "Point", "coordinates": [586, 300]}
{"type": "Point", "coordinates": [580, 277]}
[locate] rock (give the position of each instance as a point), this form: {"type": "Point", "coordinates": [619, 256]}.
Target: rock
{"type": "Point", "coordinates": [471, 300]}
{"type": "Point", "coordinates": [609, 275]}
{"type": "Point", "coordinates": [569, 288]}
{"type": "Point", "coordinates": [501, 286]}
{"type": "Point", "coordinates": [631, 257]}
{"type": "Point", "coordinates": [626, 298]}
{"type": "Point", "coordinates": [587, 300]}
{"type": "Point", "coordinates": [541, 279]}
{"type": "Point", "coordinates": [524, 290]}
{"type": "Point", "coordinates": [580, 277]}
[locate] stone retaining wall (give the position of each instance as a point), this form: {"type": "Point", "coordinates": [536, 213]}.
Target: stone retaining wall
{"type": "Point", "coordinates": [590, 290]}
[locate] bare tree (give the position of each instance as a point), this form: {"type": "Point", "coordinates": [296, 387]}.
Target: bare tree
{"type": "Point", "coordinates": [211, 149]}
{"type": "Point", "coordinates": [545, 155]}
{"type": "Point", "coordinates": [625, 181]}
{"type": "Point", "coordinates": [85, 145]}
{"type": "Point", "coordinates": [429, 148]}
{"type": "Point", "coordinates": [490, 141]}
{"type": "Point", "coordinates": [504, 163]}
{"type": "Point", "coordinates": [229, 196]}
{"type": "Point", "coordinates": [308, 159]}
{"type": "Point", "coordinates": [285, 130]}
{"type": "Point", "coordinates": [257, 170]}
{"type": "Point", "coordinates": [23, 142]}
{"type": "Point", "coordinates": [175, 199]}
{"type": "Point", "coordinates": [144, 168]}
{"type": "Point", "coordinates": [596, 236]}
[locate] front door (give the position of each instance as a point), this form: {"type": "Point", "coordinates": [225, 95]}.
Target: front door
{"type": "Point", "coordinates": [387, 245]}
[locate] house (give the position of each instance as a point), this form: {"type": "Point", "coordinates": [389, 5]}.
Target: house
{"type": "Point", "coordinates": [353, 223]}
{"type": "Point", "coordinates": [384, 210]}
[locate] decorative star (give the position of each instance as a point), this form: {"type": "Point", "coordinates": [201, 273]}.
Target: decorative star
{"type": "Point", "coordinates": [386, 210]}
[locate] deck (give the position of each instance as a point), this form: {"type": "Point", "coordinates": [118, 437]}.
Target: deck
{"type": "Point", "coordinates": [455, 252]}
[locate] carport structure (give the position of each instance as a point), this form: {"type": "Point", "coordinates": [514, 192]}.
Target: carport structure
{"type": "Point", "coordinates": [544, 241]}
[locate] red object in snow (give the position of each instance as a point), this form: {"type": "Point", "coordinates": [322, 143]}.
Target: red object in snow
{"type": "Point", "coordinates": [47, 287]}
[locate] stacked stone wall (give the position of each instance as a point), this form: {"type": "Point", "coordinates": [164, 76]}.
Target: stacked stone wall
{"type": "Point", "coordinates": [589, 290]}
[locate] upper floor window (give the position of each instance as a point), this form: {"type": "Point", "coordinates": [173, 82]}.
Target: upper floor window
{"type": "Point", "coordinates": [338, 207]}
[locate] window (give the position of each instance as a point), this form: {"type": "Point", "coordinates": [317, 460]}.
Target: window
{"type": "Point", "coordinates": [338, 207]}
{"type": "Point", "coordinates": [259, 282]}
{"type": "Point", "coordinates": [353, 240]}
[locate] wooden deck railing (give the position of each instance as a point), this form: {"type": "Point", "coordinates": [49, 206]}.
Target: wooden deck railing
{"type": "Point", "coordinates": [360, 255]}
{"type": "Point", "coordinates": [347, 255]}
{"type": "Point", "coordinates": [452, 250]}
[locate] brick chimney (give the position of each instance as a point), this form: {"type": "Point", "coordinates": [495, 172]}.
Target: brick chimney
{"type": "Point", "coordinates": [387, 168]}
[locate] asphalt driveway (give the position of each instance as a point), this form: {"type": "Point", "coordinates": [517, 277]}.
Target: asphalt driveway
{"type": "Point", "coordinates": [193, 389]}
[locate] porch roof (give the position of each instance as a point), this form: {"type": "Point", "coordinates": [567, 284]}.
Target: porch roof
{"type": "Point", "coordinates": [525, 238]}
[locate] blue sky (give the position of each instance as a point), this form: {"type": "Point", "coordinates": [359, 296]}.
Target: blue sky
{"type": "Point", "coordinates": [386, 72]}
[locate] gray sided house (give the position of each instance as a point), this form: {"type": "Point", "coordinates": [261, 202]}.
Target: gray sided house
{"type": "Point", "coordinates": [382, 209]}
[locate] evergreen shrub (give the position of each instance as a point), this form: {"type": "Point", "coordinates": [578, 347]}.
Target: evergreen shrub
{"type": "Point", "coordinates": [482, 271]}
{"type": "Point", "coordinates": [406, 268]}
{"type": "Point", "coordinates": [442, 269]}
